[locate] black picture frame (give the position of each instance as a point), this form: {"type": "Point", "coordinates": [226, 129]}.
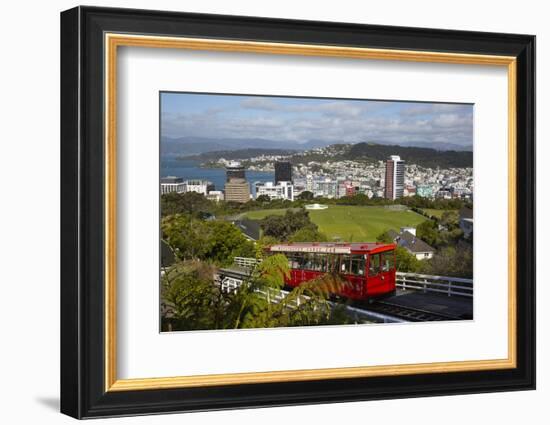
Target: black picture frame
{"type": "Point", "coordinates": [83, 392]}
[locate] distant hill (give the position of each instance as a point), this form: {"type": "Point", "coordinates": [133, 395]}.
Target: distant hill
{"type": "Point", "coordinates": [238, 154]}
{"type": "Point", "coordinates": [425, 157]}
{"type": "Point", "coordinates": [185, 146]}
{"type": "Point", "coordinates": [368, 152]}
{"type": "Point", "coordinates": [440, 146]}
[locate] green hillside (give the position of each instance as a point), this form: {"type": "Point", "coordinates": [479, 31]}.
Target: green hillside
{"type": "Point", "coordinates": [353, 223]}
{"type": "Point", "coordinates": [424, 157]}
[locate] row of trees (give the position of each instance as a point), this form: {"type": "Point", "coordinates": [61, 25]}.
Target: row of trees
{"type": "Point", "coordinates": [192, 237]}
{"type": "Point", "coordinates": [196, 204]}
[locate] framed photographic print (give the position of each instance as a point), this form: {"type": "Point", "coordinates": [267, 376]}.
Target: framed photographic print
{"type": "Point", "coordinates": [261, 212]}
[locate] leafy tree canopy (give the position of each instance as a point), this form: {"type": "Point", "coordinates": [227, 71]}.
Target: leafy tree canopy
{"type": "Point", "coordinates": [306, 195]}
{"type": "Point", "coordinates": [263, 198]}
{"type": "Point", "coordinates": [213, 240]}
{"type": "Point", "coordinates": [308, 234]}
{"type": "Point", "coordinates": [284, 226]}
{"type": "Point", "coordinates": [193, 300]}
{"type": "Point", "coordinates": [189, 203]}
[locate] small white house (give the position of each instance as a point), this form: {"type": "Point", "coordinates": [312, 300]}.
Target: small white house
{"type": "Point", "coordinates": [408, 240]}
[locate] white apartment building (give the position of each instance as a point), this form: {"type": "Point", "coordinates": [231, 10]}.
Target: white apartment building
{"type": "Point", "coordinates": [177, 184]}
{"type": "Point", "coordinates": [282, 190]}
{"type": "Point", "coordinates": [198, 186]}
{"type": "Point", "coordinates": [172, 184]}
{"type": "Point", "coordinates": [215, 195]}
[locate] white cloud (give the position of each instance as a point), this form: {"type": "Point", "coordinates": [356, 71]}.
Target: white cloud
{"type": "Point", "coordinates": [339, 121]}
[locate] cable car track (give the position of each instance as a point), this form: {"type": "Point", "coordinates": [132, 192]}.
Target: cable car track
{"type": "Point", "coordinates": [404, 313]}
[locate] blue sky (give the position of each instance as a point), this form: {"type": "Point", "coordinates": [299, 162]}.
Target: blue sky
{"type": "Point", "coordinates": [303, 119]}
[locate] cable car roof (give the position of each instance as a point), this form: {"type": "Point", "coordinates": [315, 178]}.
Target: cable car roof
{"type": "Point", "coordinates": [332, 248]}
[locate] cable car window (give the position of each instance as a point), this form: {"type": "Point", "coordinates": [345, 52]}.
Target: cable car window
{"type": "Point", "coordinates": [323, 262]}
{"type": "Point", "coordinates": [345, 264]}
{"type": "Point", "coordinates": [293, 260]}
{"type": "Point", "coordinates": [358, 265]}
{"type": "Point", "coordinates": [388, 261]}
{"type": "Point", "coordinates": [333, 261]}
{"type": "Point", "coordinates": [310, 263]}
{"type": "Point", "coordinates": [302, 260]}
{"type": "Point", "coordinates": [319, 262]}
{"type": "Point", "coordinates": [374, 264]}
{"type": "Point", "coordinates": [316, 261]}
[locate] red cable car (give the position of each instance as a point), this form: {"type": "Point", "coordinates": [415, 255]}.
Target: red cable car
{"type": "Point", "coordinates": [368, 267]}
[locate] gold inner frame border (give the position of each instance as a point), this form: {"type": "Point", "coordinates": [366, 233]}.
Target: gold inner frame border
{"type": "Point", "coordinates": [113, 40]}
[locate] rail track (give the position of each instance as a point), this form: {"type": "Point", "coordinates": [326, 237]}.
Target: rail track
{"type": "Point", "coordinates": [381, 310]}
{"type": "Point", "coordinates": [408, 314]}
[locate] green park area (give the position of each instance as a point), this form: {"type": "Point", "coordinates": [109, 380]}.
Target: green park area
{"type": "Point", "coordinates": [353, 223]}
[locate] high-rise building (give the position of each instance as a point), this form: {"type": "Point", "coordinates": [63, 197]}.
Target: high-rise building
{"type": "Point", "coordinates": [395, 177]}
{"type": "Point", "coordinates": [283, 171]}
{"type": "Point", "coordinates": [237, 188]}
{"type": "Point", "coordinates": [326, 187]}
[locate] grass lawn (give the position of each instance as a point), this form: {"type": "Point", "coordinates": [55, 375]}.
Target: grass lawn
{"type": "Point", "coordinates": [435, 213]}
{"type": "Point", "coordinates": [353, 223]}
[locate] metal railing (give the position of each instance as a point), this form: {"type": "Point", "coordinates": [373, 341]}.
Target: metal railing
{"type": "Point", "coordinates": [231, 284]}
{"type": "Point", "coordinates": [451, 286]}
{"type": "Point", "coordinates": [245, 262]}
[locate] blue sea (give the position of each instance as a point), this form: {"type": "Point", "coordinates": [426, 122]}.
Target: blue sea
{"type": "Point", "coordinates": [189, 169]}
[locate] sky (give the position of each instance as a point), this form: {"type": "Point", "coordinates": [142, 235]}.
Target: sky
{"type": "Point", "coordinates": [294, 119]}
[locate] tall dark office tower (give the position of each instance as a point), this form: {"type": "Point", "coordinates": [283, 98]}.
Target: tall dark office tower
{"type": "Point", "coordinates": [283, 171]}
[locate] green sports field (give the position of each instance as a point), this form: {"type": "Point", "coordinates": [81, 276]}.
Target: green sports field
{"type": "Point", "coordinates": [353, 223]}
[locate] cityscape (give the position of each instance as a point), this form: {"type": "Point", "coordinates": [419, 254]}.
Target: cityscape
{"type": "Point", "coordinates": [321, 231]}
{"type": "Point", "coordinates": [390, 179]}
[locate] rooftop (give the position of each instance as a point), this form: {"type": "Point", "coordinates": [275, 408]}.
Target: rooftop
{"type": "Point", "coordinates": [331, 247]}
{"type": "Point", "coordinates": [410, 242]}
{"type": "Point", "coordinates": [171, 179]}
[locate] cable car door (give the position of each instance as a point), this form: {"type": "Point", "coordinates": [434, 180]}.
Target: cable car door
{"type": "Point", "coordinates": [387, 270]}
{"type": "Point", "coordinates": [376, 282]}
